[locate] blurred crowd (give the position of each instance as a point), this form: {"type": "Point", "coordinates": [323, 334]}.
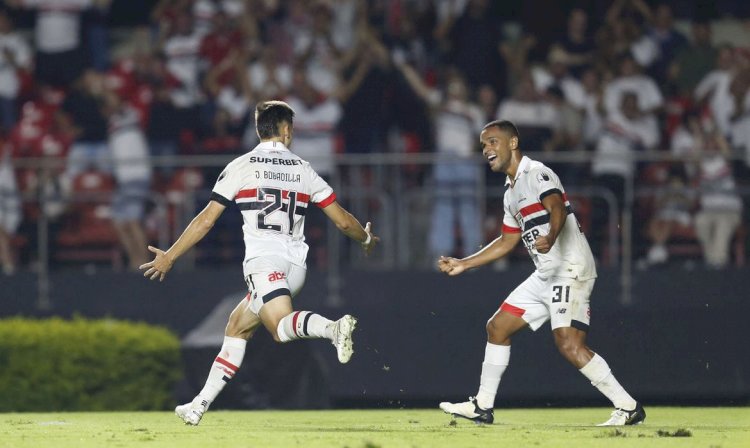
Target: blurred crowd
{"type": "Point", "coordinates": [601, 82]}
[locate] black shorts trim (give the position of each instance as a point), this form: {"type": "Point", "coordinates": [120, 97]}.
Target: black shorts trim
{"type": "Point", "coordinates": [220, 199]}
{"type": "Point", "coordinates": [277, 293]}
{"type": "Point", "coordinates": [578, 325]}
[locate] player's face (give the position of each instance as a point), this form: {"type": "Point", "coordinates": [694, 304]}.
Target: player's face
{"type": "Point", "coordinates": [496, 148]}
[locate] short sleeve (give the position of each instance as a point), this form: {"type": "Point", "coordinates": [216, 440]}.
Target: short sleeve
{"type": "Point", "coordinates": [321, 194]}
{"type": "Point", "coordinates": [510, 225]}
{"type": "Point", "coordinates": [545, 182]}
{"type": "Point", "coordinates": [227, 186]}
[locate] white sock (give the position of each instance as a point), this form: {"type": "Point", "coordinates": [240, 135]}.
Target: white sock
{"type": "Point", "coordinates": [496, 359]}
{"type": "Point", "coordinates": [304, 325]}
{"type": "Point", "coordinates": [598, 372]}
{"type": "Point", "coordinates": [224, 368]}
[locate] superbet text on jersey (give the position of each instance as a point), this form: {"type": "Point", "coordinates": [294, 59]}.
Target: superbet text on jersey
{"type": "Point", "coordinates": [273, 188]}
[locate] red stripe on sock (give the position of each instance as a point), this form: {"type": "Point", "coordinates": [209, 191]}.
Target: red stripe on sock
{"type": "Point", "coordinates": [227, 363]}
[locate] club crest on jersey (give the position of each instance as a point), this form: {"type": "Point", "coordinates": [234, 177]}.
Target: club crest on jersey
{"type": "Point", "coordinates": [542, 177]}
{"type": "Point", "coordinates": [276, 276]}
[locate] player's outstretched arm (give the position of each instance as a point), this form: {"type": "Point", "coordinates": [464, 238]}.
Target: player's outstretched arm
{"type": "Point", "coordinates": [351, 227]}
{"type": "Point", "coordinates": [194, 232]}
{"type": "Point", "coordinates": [498, 248]}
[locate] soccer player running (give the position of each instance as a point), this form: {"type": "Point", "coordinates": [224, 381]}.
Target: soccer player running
{"type": "Point", "coordinates": [538, 213]}
{"type": "Point", "coordinates": [273, 189]}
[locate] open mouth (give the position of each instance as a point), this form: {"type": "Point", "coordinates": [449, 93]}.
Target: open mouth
{"type": "Point", "coordinates": [491, 158]}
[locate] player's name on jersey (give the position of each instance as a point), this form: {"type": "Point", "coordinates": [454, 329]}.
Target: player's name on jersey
{"type": "Point", "coordinates": [274, 161]}
{"type": "Point", "coordinates": [284, 177]}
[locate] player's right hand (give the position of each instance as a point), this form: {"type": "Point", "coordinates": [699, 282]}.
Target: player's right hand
{"type": "Point", "coordinates": [160, 265]}
{"type": "Point", "coordinates": [374, 240]}
{"type": "Point", "coordinates": [451, 266]}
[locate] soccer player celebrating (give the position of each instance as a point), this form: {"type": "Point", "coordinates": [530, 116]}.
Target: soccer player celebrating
{"type": "Point", "coordinates": [538, 213]}
{"type": "Point", "coordinates": [273, 189]}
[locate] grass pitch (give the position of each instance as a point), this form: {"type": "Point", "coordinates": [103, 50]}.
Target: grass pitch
{"type": "Point", "coordinates": [664, 427]}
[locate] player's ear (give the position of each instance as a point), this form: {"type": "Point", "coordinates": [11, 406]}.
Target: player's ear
{"type": "Point", "coordinates": [513, 143]}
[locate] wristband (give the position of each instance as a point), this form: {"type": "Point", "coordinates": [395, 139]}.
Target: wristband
{"type": "Point", "coordinates": [367, 241]}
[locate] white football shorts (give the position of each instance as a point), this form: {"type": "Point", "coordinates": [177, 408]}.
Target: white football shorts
{"type": "Point", "coordinates": [271, 277]}
{"type": "Point", "coordinates": [564, 301]}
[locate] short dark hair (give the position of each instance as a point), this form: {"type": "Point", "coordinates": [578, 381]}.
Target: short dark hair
{"type": "Point", "coordinates": [269, 115]}
{"type": "Point", "coordinates": [505, 126]}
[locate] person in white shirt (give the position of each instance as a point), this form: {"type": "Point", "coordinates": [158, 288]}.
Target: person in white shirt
{"type": "Point", "coordinates": [10, 210]}
{"type": "Point", "coordinates": [132, 170]}
{"type": "Point", "coordinates": [15, 55]}
{"type": "Point", "coordinates": [457, 197]}
{"type": "Point", "coordinates": [631, 80]}
{"type": "Point", "coordinates": [273, 188]}
{"type": "Point", "coordinates": [537, 212]}
{"type": "Point", "coordinates": [59, 51]}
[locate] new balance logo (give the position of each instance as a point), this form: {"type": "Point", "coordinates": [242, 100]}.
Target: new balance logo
{"type": "Point", "coordinates": [562, 310]}
{"type": "Point", "coordinates": [276, 276]}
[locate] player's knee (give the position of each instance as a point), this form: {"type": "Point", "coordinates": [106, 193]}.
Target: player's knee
{"type": "Point", "coordinates": [495, 332]}
{"type": "Point", "coordinates": [568, 347]}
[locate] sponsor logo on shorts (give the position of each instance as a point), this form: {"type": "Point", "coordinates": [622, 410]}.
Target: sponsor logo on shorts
{"type": "Point", "coordinates": [562, 311]}
{"type": "Point", "coordinates": [276, 276]}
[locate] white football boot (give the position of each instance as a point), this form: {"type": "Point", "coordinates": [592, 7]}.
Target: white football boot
{"type": "Point", "coordinates": [191, 413]}
{"type": "Point", "coordinates": [469, 410]}
{"type": "Point", "coordinates": [342, 337]}
{"type": "Point", "coordinates": [621, 417]}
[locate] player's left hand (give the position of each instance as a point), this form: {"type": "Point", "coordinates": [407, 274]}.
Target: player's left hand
{"type": "Point", "coordinates": [543, 244]}
{"type": "Point", "coordinates": [159, 267]}
{"type": "Point", "coordinates": [450, 265]}
{"type": "Point", "coordinates": [374, 240]}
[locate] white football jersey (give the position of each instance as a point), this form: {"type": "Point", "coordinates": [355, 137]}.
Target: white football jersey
{"type": "Point", "coordinates": [571, 255]}
{"type": "Point", "coordinates": [273, 188]}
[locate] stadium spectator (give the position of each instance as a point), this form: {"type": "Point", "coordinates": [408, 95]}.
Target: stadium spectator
{"type": "Point", "coordinates": [132, 170]}
{"type": "Point", "coordinates": [667, 39]}
{"type": "Point", "coordinates": [631, 80]}
{"type": "Point", "coordinates": [15, 61]}
{"type": "Point", "coordinates": [537, 120]}
{"type": "Point", "coordinates": [59, 55]}
{"type": "Point", "coordinates": [181, 50]}
{"type": "Point", "coordinates": [556, 74]}
{"type": "Point", "coordinates": [96, 33]}
{"type": "Point", "coordinates": [456, 121]}
{"type": "Point", "coordinates": [269, 77]}
{"type": "Point", "coordinates": [714, 89]}
{"type": "Point", "coordinates": [233, 99]}
{"type": "Point", "coordinates": [577, 44]}
{"type": "Point", "coordinates": [672, 209]}
{"type": "Point", "coordinates": [80, 115]}
{"type": "Point", "coordinates": [567, 136]}
{"type": "Point", "coordinates": [693, 62]}
{"type": "Point", "coordinates": [474, 35]}
{"type": "Point", "coordinates": [593, 110]}
{"type": "Point", "coordinates": [720, 206]}
{"type": "Point", "coordinates": [627, 130]}
{"type": "Point", "coordinates": [10, 210]}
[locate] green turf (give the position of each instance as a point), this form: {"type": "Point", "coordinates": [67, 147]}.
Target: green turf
{"type": "Point", "coordinates": [704, 427]}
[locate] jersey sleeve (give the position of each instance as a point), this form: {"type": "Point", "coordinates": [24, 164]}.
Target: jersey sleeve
{"type": "Point", "coordinates": [545, 182]}
{"type": "Point", "coordinates": [510, 225]}
{"type": "Point", "coordinates": [321, 194]}
{"type": "Point", "coordinates": [227, 186]}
